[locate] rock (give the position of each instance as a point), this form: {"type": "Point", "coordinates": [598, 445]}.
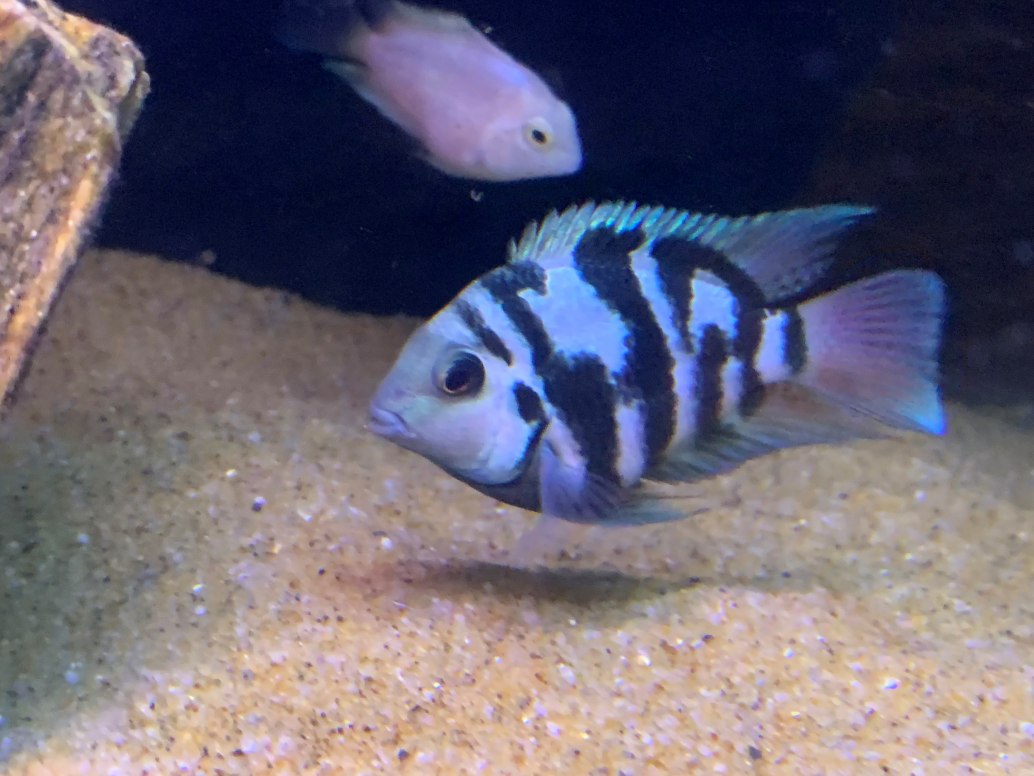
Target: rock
{"type": "Point", "coordinates": [70, 91]}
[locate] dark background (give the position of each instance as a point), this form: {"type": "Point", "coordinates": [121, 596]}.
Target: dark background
{"type": "Point", "coordinates": [252, 160]}
{"type": "Point", "coordinates": [254, 155]}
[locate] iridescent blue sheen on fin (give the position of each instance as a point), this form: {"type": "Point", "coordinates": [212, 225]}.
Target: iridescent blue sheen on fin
{"type": "Point", "coordinates": [783, 252]}
{"type": "Point", "coordinates": [873, 347]}
{"type": "Point", "coordinates": [871, 365]}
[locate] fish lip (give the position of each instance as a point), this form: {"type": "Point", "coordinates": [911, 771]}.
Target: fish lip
{"type": "Point", "coordinates": [385, 423]}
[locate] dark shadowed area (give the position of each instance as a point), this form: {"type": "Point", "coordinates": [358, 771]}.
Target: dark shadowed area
{"type": "Point", "coordinates": [252, 159]}
{"type": "Point", "coordinates": [254, 154]}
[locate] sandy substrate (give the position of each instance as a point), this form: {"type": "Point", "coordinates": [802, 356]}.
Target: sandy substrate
{"type": "Point", "coordinates": [206, 566]}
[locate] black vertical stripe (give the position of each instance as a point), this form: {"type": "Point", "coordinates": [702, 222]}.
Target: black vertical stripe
{"type": "Point", "coordinates": [673, 254]}
{"type": "Point", "coordinates": [710, 361]}
{"type": "Point", "coordinates": [491, 341]}
{"type": "Point", "coordinates": [524, 489]}
{"type": "Point", "coordinates": [745, 348]}
{"type": "Point", "coordinates": [795, 348]}
{"type": "Point", "coordinates": [504, 284]}
{"type": "Point", "coordinates": [603, 259]}
{"type": "Point", "coordinates": [679, 250]}
{"type": "Point", "coordinates": [585, 399]}
{"type": "Point", "coordinates": [676, 280]}
{"type": "Point", "coordinates": [579, 389]}
{"type": "Point", "coordinates": [529, 405]}
{"type": "Point", "coordinates": [523, 274]}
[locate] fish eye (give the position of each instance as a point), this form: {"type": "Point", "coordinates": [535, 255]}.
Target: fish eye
{"type": "Point", "coordinates": [463, 375]}
{"type": "Point", "coordinates": [538, 133]}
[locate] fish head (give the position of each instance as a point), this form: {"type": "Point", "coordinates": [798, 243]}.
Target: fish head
{"type": "Point", "coordinates": [535, 137]}
{"type": "Point", "coordinates": [452, 400]}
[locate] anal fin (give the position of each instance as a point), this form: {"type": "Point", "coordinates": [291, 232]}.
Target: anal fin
{"type": "Point", "coordinates": [790, 416]}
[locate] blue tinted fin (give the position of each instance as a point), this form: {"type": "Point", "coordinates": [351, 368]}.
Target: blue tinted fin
{"type": "Point", "coordinates": [789, 417]}
{"type": "Point", "coordinates": [783, 252]}
{"type": "Point", "coordinates": [873, 346]}
{"type": "Point", "coordinates": [571, 493]}
{"type": "Point", "coordinates": [869, 365]}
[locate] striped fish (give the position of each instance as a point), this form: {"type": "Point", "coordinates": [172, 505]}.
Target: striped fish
{"type": "Point", "coordinates": [622, 344]}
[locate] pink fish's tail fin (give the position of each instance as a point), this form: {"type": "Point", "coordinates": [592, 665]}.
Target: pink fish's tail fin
{"type": "Point", "coordinates": [872, 347]}
{"type": "Point", "coordinates": [328, 27]}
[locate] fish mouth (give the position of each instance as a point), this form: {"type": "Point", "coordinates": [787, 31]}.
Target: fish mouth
{"type": "Point", "coordinates": [388, 424]}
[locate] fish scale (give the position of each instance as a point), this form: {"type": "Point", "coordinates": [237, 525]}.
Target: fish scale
{"type": "Point", "coordinates": [603, 258]}
{"type": "Point", "coordinates": [714, 312]}
{"type": "Point", "coordinates": [622, 343]}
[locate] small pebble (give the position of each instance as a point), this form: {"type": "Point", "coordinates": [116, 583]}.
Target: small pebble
{"type": "Point", "coordinates": [567, 674]}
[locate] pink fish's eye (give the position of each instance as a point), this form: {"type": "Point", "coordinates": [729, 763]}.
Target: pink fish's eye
{"type": "Point", "coordinates": [538, 133]}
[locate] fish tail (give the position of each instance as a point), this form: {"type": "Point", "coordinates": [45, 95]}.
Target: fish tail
{"type": "Point", "coordinates": [865, 352]}
{"type": "Point", "coordinates": [329, 27]}
{"type": "Point", "coordinates": [872, 347]}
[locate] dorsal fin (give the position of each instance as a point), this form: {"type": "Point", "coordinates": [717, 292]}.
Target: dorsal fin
{"type": "Point", "coordinates": [332, 27]}
{"type": "Point", "coordinates": [783, 252]}
{"type": "Point", "coordinates": [431, 18]}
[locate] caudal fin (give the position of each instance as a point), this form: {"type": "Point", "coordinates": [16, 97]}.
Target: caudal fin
{"type": "Point", "coordinates": [872, 347]}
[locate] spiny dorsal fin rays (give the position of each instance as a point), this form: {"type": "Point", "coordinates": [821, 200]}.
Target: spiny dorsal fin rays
{"type": "Point", "coordinates": [561, 231]}
{"type": "Point", "coordinates": [783, 252]}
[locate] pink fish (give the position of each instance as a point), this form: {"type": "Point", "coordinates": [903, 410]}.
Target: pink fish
{"type": "Point", "coordinates": [475, 110]}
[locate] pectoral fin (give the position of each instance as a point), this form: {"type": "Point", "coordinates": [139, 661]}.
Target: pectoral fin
{"type": "Point", "coordinates": [573, 494]}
